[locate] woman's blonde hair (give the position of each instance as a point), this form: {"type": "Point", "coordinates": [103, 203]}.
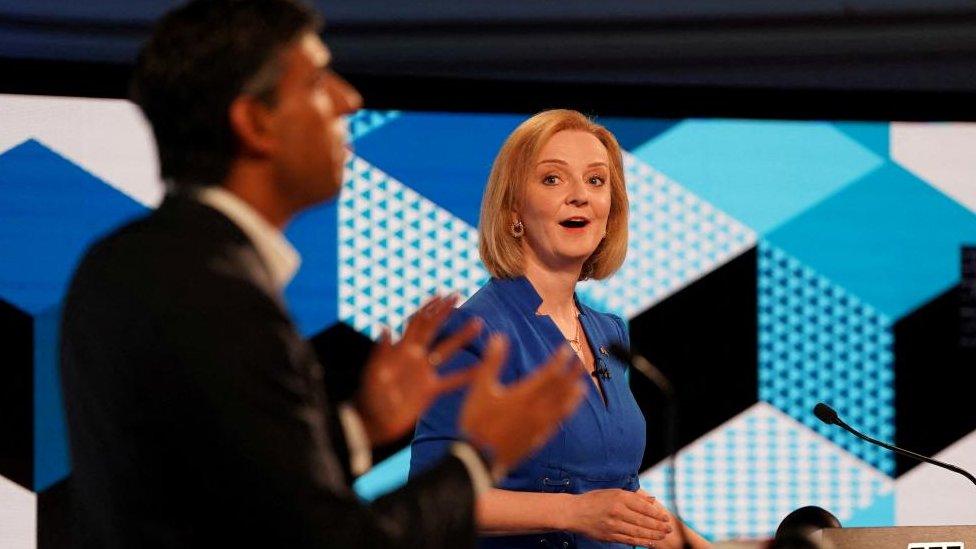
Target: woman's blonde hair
{"type": "Point", "coordinates": [500, 251]}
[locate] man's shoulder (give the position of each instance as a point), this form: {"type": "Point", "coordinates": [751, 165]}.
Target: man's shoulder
{"type": "Point", "coordinates": [177, 240]}
{"type": "Point", "coordinates": [177, 227]}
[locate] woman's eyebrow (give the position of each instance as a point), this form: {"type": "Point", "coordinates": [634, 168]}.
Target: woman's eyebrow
{"type": "Point", "coordinates": [553, 161]}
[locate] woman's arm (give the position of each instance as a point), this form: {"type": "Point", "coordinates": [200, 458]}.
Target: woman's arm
{"type": "Point", "coordinates": [606, 515]}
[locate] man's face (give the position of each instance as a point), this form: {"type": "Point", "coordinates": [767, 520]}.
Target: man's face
{"type": "Point", "coordinates": [309, 125]}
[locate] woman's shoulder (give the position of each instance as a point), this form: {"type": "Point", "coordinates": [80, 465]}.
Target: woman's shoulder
{"type": "Point", "coordinates": [607, 321]}
{"type": "Point", "coordinates": [491, 304]}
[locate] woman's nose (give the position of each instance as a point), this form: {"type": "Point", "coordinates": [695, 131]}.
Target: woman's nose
{"type": "Point", "coordinates": [577, 194]}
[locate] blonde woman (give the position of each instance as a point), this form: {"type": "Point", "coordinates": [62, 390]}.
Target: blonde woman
{"type": "Point", "coordinates": [555, 212]}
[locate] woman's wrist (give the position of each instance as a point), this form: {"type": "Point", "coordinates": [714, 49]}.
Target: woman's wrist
{"type": "Point", "coordinates": [564, 515]}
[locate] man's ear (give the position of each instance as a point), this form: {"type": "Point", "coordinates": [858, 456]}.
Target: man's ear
{"type": "Point", "coordinates": [250, 120]}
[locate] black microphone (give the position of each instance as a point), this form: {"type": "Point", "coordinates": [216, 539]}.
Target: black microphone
{"type": "Point", "coordinates": [794, 532]}
{"type": "Point", "coordinates": [646, 369]}
{"type": "Point", "coordinates": [662, 382]}
{"type": "Point", "coordinates": [829, 416]}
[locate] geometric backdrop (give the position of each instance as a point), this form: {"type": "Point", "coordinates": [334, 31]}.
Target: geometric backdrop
{"type": "Point", "coordinates": [772, 265]}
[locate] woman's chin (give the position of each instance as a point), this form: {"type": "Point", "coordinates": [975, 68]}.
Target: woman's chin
{"type": "Point", "coordinates": [567, 261]}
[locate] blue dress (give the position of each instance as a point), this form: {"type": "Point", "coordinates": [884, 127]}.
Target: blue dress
{"type": "Point", "coordinates": [599, 446]}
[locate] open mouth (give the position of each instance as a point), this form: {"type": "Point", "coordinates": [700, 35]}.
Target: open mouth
{"type": "Point", "coordinates": [575, 222]}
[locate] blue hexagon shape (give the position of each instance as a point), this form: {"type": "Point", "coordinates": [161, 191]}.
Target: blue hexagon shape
{"type": "Point", "coordinates": [762, 173]}
{"type": "Point", "coordinates": [312, 295]}
{"type": "Point", "coordinates": [445, 157]}
{"type": "Point", "coordinates": [890, 239]}
{"type": "Point", "coordinates": [52, 210]}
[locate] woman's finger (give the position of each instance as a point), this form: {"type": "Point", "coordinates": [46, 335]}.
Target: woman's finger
{"type": "Point", "coordinates": [647, 507]}
{"type": "Point", "coordinates": [649, 527]}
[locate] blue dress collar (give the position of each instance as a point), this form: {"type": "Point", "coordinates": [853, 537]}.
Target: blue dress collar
{"type": "Point", "coordinates": [524, 296]}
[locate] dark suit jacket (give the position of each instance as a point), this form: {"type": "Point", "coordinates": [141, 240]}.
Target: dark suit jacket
{"type": "Point", "coordinates": [197, 414]}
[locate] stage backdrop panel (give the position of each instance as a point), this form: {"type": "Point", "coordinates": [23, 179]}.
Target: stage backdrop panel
{"type": "Point", "coordinates": [771, 265]}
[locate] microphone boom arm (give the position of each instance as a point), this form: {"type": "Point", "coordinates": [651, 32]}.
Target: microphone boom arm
{"type": "Point", "coordinates": [827, 415]}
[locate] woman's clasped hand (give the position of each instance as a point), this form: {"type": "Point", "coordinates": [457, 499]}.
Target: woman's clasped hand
{"type": "Point", "coordinates": [619, 516]}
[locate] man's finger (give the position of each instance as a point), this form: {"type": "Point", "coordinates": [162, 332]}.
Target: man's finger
{"type": "Point", "coordinates": [453, 381]}
{"type": "Point", "coordinates": [437, 318]}
{"type": "Point", "coordinates": [432, 318]}
{"type": "Point", "coordinates": [444, 350]}
{"type": "Point", "coordinates": [491, 360]}
{"type": "Point", "coordinates": [386, 339]}
{"type": "Point", "coordinates": [553, 402]}
{"type": "Point", "coordinates": [548, 373]}
{"type": "Point", "coordinates": [421, 318]}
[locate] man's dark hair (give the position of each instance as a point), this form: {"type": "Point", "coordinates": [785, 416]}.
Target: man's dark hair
{"type": "Point", "coordinates": [200, 57]}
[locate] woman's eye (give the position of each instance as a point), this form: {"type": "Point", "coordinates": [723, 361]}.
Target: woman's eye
{"type": "Point", "coordinates": [550, 179]}
{"type": "Point", "coordinates": [597, 180]}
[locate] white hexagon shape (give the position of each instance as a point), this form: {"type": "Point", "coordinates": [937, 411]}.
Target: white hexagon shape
{"type": "Point", "coordinates": [742, 478]}
{"type": "Point", "coordinates": [18, 516]}
{"type": "Point", "coordinates": [942, 154]}
{"type": "Point", "coordinates": [931, 496]}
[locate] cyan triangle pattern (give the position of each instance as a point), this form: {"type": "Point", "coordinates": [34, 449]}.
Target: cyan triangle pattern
{"type": "Point", "coordinates": [387, 270]}
{"type": "Point", "coordinates": [742, 478]}
{"type": "Point", "coordinates": [675, 239]}
{"type": "Point", "coordinates": [364, 121]}
{"type": "Point", "coordinates": [818, 343]}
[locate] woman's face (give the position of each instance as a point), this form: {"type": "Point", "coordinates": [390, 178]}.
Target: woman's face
{"type": "Point", "coordinates": [566, 201]}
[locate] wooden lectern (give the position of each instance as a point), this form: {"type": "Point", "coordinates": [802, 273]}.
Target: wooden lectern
{"type": "Point", "coordinates": [899, 537]}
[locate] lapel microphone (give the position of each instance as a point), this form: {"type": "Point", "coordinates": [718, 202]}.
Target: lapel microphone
{"type": "Point", "coordinates": [829, 416]}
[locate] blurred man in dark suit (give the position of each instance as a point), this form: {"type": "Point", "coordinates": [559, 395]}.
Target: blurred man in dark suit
{"type": "Point", "coordinates": [197, 415]}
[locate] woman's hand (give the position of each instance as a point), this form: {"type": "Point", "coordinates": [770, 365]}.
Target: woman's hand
{"type": "Point", "coordinates": [619, 516]}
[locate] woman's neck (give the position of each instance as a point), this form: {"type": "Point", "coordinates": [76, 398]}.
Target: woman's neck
{"type": "Point", "coordinates": [555, 287]}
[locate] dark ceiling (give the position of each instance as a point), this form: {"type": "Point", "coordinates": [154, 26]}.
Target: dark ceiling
{"type": "Point", "coordinates": [892, 46]}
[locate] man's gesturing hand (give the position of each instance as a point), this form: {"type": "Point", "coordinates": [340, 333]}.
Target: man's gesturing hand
{"type": "Point", "coordinates": [400, 379]}
{"type": "Point", "coordinates": [510, 422]}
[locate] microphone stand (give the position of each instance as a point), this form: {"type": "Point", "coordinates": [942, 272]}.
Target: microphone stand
{"type": "Point", "coordinates": [829, 416]}
{"type": "Point", "coordinates": [663, 384]}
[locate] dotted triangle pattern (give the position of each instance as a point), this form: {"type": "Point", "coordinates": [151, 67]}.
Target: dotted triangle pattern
{"type": "Point", "coordinates": [396, 249]}
{"type": "Point", "coordinates": [817, 342]}
{"type": "Point", "coordinates": [741, 479]}
{"type": "Point", "coordinates": [675, 239]}
{"type": "Point", "coordinates": [364, 121]}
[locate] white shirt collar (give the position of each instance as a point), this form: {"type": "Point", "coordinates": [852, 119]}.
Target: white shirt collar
{"type": "Point", "coordinates": [280, 257]}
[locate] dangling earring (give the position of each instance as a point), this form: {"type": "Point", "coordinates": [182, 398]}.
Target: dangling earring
{"type": "Point", "coordinates": [518, 229]}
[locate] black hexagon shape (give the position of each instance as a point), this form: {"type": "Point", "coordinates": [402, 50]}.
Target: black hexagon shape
{"type": "Point", "coordinates": [705, 339]}
{"type": "Point", "coordinates": [935, 373]}
{"type": "Point", "coordinates": [54, 528]}
{"type": "Point", "coordinates": [17, 396]}
{"type": "Point", "coordinates": [342, 351]}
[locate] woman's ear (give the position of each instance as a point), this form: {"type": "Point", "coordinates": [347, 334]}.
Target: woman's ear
{"type": "Point", "coordinates": [250, 120]}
